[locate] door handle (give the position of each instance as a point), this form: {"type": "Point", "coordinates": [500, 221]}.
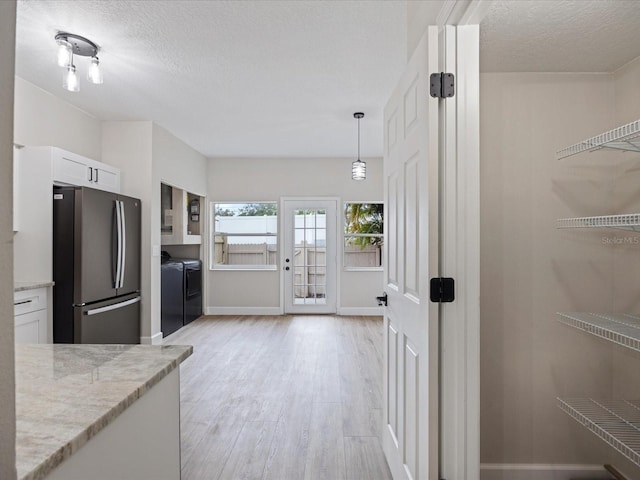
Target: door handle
{"type": "Point", "coordinates": [287, 268]}
{"type": "Point", "coordinates": [382, 301]}
{"type": "Point", "coordinates": [90, 174]}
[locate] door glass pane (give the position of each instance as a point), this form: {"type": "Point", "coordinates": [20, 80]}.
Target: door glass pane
{"type": "Point", "coordinates": [310, 233]}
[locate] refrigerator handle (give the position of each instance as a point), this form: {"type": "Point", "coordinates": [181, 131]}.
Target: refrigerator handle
{"type": "Point", "coordinates": [115, 306]}
{"type": "Point", "coordinates": [119, 249]}
{"type": "Point", "coordinates": [124, 244]}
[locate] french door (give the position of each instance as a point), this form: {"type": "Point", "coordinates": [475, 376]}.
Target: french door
{"type": "Point", "coordinates": [309, 260]}
{"type": "Point", "coordinates": [410, 427]}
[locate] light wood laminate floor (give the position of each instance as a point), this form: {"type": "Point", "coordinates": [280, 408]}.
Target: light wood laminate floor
{"type": "Point", "coordinates": [282, 398]}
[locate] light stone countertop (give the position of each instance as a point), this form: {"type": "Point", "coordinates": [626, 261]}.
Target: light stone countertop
{"type": "Point", "coordinates": [65, 394]}
{"type": "Point", "coordinates": [19, 286]}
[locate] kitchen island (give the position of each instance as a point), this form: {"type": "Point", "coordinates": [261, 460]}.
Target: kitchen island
{"type": "Point", "coordinates": [98, 411]}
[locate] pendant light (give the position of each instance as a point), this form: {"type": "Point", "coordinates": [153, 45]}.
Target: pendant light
{"type": "Point", "coordinates": [94, 74]}
{"type": "Point", "coordinates": [64, 52]}
{"type": "Point", "coordinates": [358, 168]}
{"type": "Point", "coordinates": [70, 79]}
{"type": "Point", "coordinates": [70, 44]}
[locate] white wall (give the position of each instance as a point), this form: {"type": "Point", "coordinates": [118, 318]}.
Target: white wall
{"type": "Point", "coordinates": [174, 163]}
{"type": "Point", "coordinates": [626, 364]}
{"type": "Point", "coordinates": [7, 377]}
{"type": "Point", "coordinates": [530, 270]}
{"type": "Point", "coordinates": [128, 146]}
{"type": "Point", "coordinates": [420, 14]}
{"type": "Point", "coordinates": [269, 180]}
{"type": "Point", "coordinates": [147, 154]}
{"type": "Point", "coordinates": [627, 80]}
{"type": "Point", "coordinates": [42, 119]}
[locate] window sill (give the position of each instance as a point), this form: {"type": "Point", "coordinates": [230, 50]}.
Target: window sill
{"type": "Point", "coordinates": [363, 269]}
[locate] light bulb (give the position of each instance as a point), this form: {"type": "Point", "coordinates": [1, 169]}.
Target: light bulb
{"type": "Point", "coordinates": [358, 170]}
{"type": "Point", "coordinates": [70, 80]}
{"type": "Point", "coordinates": [94, 75]}
{"type": "Point", "coordinates": [64, 53]}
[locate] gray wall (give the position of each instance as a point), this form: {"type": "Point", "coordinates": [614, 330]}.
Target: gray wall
{"type": "Point", "coordinates": [530, 270]}
{"type": "Point", "coordinates": [7, 380]}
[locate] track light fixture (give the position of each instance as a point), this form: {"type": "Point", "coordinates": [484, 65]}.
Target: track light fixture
{"type": "Point", "coordinates": [69, 45]}
{"type": "Point", "coordinates": [358, 168]}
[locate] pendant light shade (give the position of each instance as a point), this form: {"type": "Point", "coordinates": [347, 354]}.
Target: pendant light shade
{"type": "Point", "coordinates": [70, 80]}
{"type": "Point", "coordinates": [64, 52]}
{"type": "Point", "coordinates": [358, 168]}
{"type": "Point", "coordinates": [94, 74]}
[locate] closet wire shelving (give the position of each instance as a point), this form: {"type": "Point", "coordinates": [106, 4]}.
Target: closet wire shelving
{"type": "Point", "coordinates": [620, 328]}
{"type": "Point", "coordinates": [622, 222]}
{"type": "Point", "coordinates": [626, 137]}
{"type": "Point", "coordinates": [617, 422]}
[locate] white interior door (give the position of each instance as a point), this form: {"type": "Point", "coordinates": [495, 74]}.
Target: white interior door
{"type": "Point", "coordinates": [309, 259]}
{"type": "Point", "coordinates": [410, 430]}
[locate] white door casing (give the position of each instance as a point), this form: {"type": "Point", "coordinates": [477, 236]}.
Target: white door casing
{"type": "Point", "coordinates": [410, 426]}
{"type": "Point", "coordinates": [460, 252]}
{"type": "Point", "coordinates": [309, 255]}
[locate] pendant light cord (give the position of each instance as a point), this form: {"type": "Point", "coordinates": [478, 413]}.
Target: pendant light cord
{"type": "Point", "coordinates": [358, 139]}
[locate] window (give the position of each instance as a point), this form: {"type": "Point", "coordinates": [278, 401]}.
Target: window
{"type": "Point", "coordinates": [363, 235]}
{"type": "Point", "coordinates": [244, 235]}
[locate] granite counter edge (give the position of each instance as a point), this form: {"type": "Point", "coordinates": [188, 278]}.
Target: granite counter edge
{"type": "Point", "coordinates": [71, 447]}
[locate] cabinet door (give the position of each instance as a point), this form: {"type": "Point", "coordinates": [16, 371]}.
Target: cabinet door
{"type": "Point", "coordinates": [31, 327]}
{"type": "Point", "coordinates": [70, 169]}
{"type": "Point", "coordinates": [105, 178]}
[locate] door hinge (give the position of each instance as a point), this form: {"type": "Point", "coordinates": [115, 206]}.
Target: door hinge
{"type": "Point", "coordinates": [442, 290]}
{"type": "Point", "coordinates": [442, 85]}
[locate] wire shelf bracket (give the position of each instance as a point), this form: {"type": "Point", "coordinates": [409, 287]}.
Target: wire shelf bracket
{"type": "Point", "coordinates": [620, 328]}
{"type": "Point", "coordinates": [621, 222]}
{"type": "Point", "coordinates": [617, 422]}
{"type": "Point", "coordinates": [626, 137]}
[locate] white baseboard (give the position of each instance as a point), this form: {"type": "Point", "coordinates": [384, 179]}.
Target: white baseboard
{"type": "Point", "coordinates": [243, 311]}
{"type": "Point", "coordinates": [366, 311]}
{"type": "Point", "coordinates": [523, 471]}
{"type": "Point", "coordinates": [154, 340]}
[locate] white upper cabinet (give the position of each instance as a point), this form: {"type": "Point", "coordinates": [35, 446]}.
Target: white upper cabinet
{"type": "Point", "coordinates": [72, 169]}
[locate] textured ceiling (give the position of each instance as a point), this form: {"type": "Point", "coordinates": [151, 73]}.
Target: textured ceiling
{"type": "Point", "coordinates": [559, 35]}
{"type": "Point", "coordinates": [283, 78]}
{"type": "Point", "coordinates": [230, 78]}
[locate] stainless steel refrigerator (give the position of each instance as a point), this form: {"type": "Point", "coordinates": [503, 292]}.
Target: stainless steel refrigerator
{"type": "Point", "coordinates": [96, 266]}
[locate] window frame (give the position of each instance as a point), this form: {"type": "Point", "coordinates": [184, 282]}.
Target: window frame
{"type": "Point", "coordinates": [213, 234]}
{"type": "Point", "coordinates": [346, 235]}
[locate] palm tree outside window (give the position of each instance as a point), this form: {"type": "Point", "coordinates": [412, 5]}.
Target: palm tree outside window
{"type": "Point", "coordinates": [363, 235]}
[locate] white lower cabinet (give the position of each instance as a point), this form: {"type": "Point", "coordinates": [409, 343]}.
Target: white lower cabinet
{"type": "Point", "coordinates": [30, 311]}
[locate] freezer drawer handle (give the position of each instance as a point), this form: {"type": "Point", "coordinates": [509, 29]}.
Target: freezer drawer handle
{"type": "Point", "coordinates": [115, 306]}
